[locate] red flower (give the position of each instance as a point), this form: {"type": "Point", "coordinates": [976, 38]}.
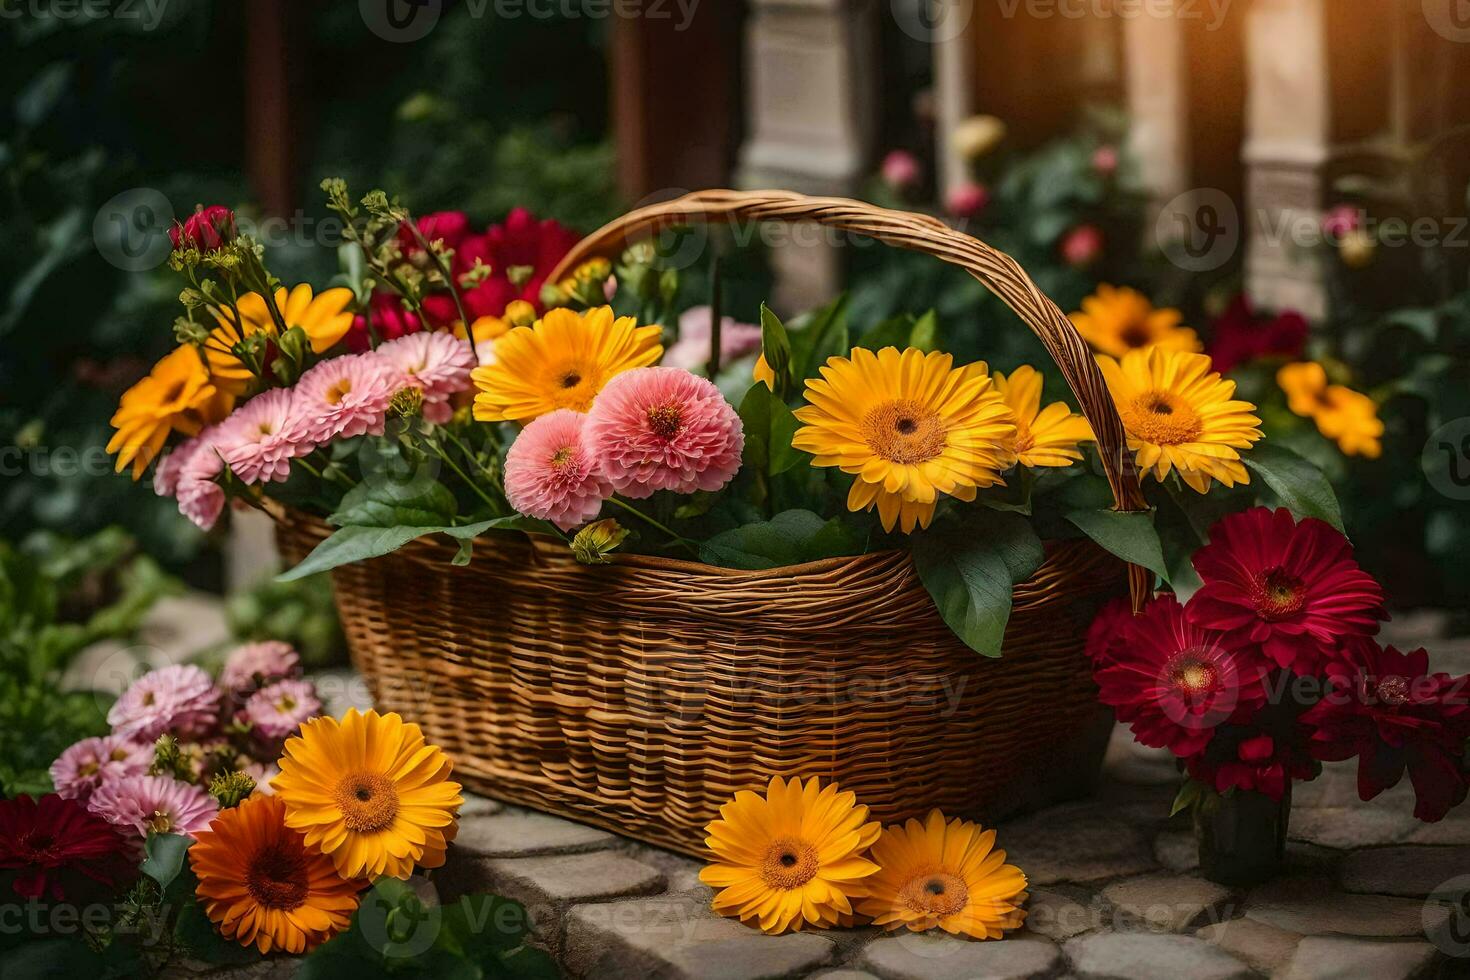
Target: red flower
{"type": "Point", "coordinates": [1386, 709]}
{"type": "Point", "coordinates": [1292, 588]}
{"type": "Point", "coordinates": [1106, 635]}
{"type": "Point", "coordinates": [208, 229]}
{"type": "Point", "coordinates": [450, 226]}
{"type": "Point", "coordinates": [1239, 336]}
{"type": "Point", "coordinates": [1259, 757]}
{"type": "Point", "coordinates": [521, 252]}
{"type": "Point", "coordinates": [1174, 682]}
{"type": "Point", "coordinates": [390, 320]}
{"type": "Point", "coordinates": [48, 842]}
{"type": "Point", "coordinates": [1082, 246]}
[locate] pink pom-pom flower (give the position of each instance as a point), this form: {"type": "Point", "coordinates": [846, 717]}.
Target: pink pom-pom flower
{"type": "Point", "coordinates": [179, 699]}
{"type": "Point", "coordinates": [340, 398]}
{"type": "Point", "coordinates": [85, 766]}
{"type": "Point", "coordinates": [550, 475]}
{"type": "Point", "coordinates": [154, 803]}
{"type": "Point", "coordinates": [278, 710]}
{"type": "Point", "coordinates": [257, 441]}
{"type": "Point", "coordinates": [438, 364]}
{"type": "Point", "coordinates": [660, 428]}
{"type": "Point", "coordinates": [257, 664]}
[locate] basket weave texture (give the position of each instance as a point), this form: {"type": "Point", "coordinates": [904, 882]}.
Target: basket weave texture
{"type": "Point", "coordinates": [641, 695]}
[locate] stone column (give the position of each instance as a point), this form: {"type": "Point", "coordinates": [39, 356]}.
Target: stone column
{"type": "Point", "coordinates": [1288, 132]}
{"type": "Point", "coordinates": [1156, 60]}
{"type": "Point", "coordinates": [811, 114]}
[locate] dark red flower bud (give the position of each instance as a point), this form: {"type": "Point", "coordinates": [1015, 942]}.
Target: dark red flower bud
{"type": "Point", "coordinates": [207, 229]}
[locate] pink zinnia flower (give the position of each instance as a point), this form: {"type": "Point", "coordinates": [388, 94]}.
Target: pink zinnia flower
{"type": "Point", "coordinates": [154, 803]}
{"type": "Point", "coordinates": [438, 364]}
{"type": "Point", "coordinates": [551, 475]}
{"type": "Point", "coordinates": [256, 441]}
{"type": "Point", "coordinates": [88, 764]}
{"type": "Point", "coordinates": [278, 710]}
{"type": "Point", "coordinates": [691, 352]}
{"type": "Point", "coordinates": [256, 664]}
{"type": "Point", "coordinates": [166, 474]}
{"type": "Point", "coordinates": [660, 428]}
{"type": "Point", "coordinates": [341, 398]}
{"type": "Point", "coordinates": [179, 699]}
{"type": "Point", "coordinates": [201, 498]}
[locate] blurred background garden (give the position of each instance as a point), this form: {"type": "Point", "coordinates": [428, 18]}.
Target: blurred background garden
{"type": "Point", "coordinates": [1290, 176]}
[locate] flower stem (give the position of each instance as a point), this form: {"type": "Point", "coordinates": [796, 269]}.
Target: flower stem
{"type": "Point", "coordinates": [444, 455]}
{"type": "Point", "coordinates": [679, 539]}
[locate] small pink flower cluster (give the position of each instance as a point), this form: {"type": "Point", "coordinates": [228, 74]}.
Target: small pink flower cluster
{"type": "Point", "coordinates": [338, 398]}
{"type": "Point", "coordinates": [237, 723]}
{"type": "Point", "coordinates": [650, 429]}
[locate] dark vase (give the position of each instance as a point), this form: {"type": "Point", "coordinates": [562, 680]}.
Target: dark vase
{"type": "Point", "coordinates": [1242, 837]}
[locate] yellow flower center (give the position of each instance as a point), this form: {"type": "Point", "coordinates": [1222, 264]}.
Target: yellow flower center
{"type": "Point", "coordinates": [368, 801]}
{"type": "Point", "coordinates": [276, 878]}
{"type": "Point", "coordinates": [562, 456]}
{"type": "Point", "coordinates": [666, 420]}
{"type": "Point", "coordinates": [1191, 675]}
{"type": "Point", "coordinates": [904, 431]}
{"type": "Point", "coordinates": [88, 769]}
{"type": "Point", "coordinates": [573, 386]}
{"type": "Point", "coordinates": [338, 391]}
{"type": "Point", "coordinates": [1025, 441]}
{"type": "Point", "coordinates": [1393, 690]}
{"type": "Point", "coordinates": [286, 704]}
{"type": "Point", "coordinates": [1279, 594]}
{"type": "Point", "coordinates": [118, 755]}
{"type": "Point", "coordinates": [1161, 418]}
{"type": "Point", "coordinates": [936, 893]}
{"type": "Point", "coordinates": [160, 822]}
{"type": "Point", "coordinates": [789, 863]}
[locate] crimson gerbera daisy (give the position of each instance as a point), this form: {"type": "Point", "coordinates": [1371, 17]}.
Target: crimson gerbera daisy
{"type": "Point", "coordinates": [1174, 682]}
{"type": "Point", "coordinates": [1385, 707]}
{"type": "Point", "coordinates": [1108, 632]}
{"type": "Point", "coordinates": [1293, 588]}
{"type": "Point", "coordinates": [1262, 755]}
{"type": "Point", "coordinates": [48, 846]}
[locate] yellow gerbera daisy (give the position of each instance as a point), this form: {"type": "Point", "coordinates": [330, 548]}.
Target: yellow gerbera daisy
{"type": "Point", "coordinates": [561, 361]}
{"type": "Point", "coordinates": [1180, 414]}
{"type": "Point", "coordinates": [1348, 417]}
{"type": "Point", "coordinates": [369, 794]}
{"type": "Point", "coordinates": [909, 426]}
{"type": "Point", "coordinates": [175, 396]}
{"type": "Point", "coordinates": [762, 372]}
{"type": "Point", "coordinates": [325, 319]}
{"type": "Point", "coordinates": [949, 875]}
{"type": "Point", "coordinates": [263, 887]}
{"type": "Point", "coordinates": [790, 858]}
{"type": "Point", "coordinates": [1044, 436]}
{"type": "Point", "coordinates": [1116, 319]}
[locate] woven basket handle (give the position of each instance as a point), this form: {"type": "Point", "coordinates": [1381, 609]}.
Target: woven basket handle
{"type": "Point", "coordinates": [920, 233]}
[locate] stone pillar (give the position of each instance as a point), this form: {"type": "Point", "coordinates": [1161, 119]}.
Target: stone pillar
{"type": "Point", "coordinates": [954, 94]}
{"type": "Point", "coordinates": [1156, 57]}
{"type": "Point", "coordinates": [1287, 149]}
{"type": "Point", "coordinates": [811, 115]}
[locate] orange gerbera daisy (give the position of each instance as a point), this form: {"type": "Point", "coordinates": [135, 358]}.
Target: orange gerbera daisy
{"type": "Point", "coordinates": [370, 793]}
{"type": "Point", "coordinates": [263, 886]}
{"type": "Point", "coordinates": [176, 396]}
{"type": "Point", "coordinates": [1116, 320]}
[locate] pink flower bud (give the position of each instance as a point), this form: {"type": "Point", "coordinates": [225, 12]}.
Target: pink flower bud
{"type": "Point", "coordinates": [900, 170]}
{"type": "Point", "coordinates": [208, 229]}
{"type": "Point", "coordinates": [967, 200]}
{"type": "Point", "coordinates": [1082, 246]}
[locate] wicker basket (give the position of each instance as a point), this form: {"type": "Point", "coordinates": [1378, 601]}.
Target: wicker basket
{"type": "Point", "coordinates": [641, 695]}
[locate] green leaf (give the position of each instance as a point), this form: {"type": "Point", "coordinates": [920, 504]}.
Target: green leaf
{"type": "Point", "coordinates": [790, 538]}
{"type": "Point", "coordinates": [972, 566]}
{"type": "Point", "coordinates": [357, 543]}
{"type": "Point", "coordinates": [165, 857]}
{"type": "Point", "coordinates": [196, 932]}
{"type": "Point", "coordinates": [1128, 534]}
{"type": "Point", "coordinates": [1298, 484]}
{"type": "Point", "coordinates": [824, 336]}
{"type": "Point", "coordinates": [776, 347]}
{"type": "Point", "coordinates": [1189, 796]}
{"type": "Point", "coordinates": [926, 332]}
{"type": "Point", "coordinates": [769, 426]}
{"type": "Point", "coordinates": [896, 331]}
{"type": "Point", "coordinates": [389, 503]}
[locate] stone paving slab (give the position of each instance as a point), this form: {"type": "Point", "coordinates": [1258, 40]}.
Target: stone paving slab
{"type": "Point", "coordinates": [926, 956]}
